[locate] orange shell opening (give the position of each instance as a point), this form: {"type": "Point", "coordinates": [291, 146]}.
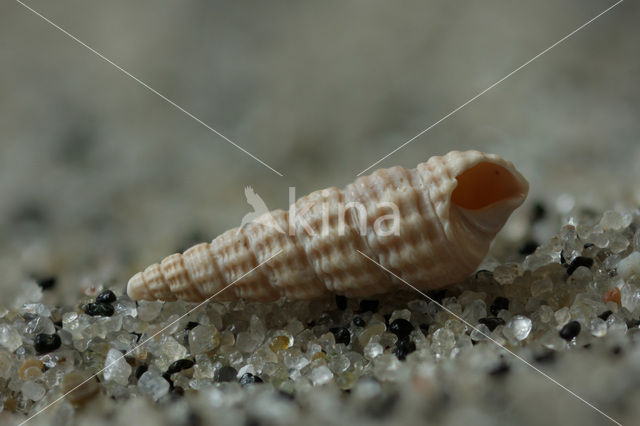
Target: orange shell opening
{"type": "Point", "coordinates": [484, 184]}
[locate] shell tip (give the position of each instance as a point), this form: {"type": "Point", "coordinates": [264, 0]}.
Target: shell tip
{"type": "Point", "coordinates": [135, 287]}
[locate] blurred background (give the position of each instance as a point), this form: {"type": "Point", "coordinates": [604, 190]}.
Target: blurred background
{"type": "Point", "coordinates": [100, 177]}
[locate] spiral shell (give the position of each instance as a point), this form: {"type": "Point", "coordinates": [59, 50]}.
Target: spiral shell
{"type": "Point", "coordinates": [79, 387]}
{"type": "Point", "coordinates": [448, 210]}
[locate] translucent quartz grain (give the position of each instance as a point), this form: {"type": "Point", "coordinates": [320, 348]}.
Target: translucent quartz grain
{"type": "Point", "coordinates": [629, 266]}
{"type": "Point", "coordinates": [262, 356]}
{"type": "Point", "coordinates": [505, 274]}
{"type": "Point", "coordinates": [321, 375]}
{"type": "Point", "coordinates": [541, 287]}
{"type": "Point", "coordinates": [9, 337]}
{"type": "Point", "coordinates": [32, 390]}
{"type": "Point", "coordinates": [474, 311]}
{"type": "Point", "coordinates": [456, 326]}
{"type": "Point", "coordinates": [153, 385]}
{"type": "Point", "coordinates": [451, 303]}
{"type": "Point", "coordinates": [599, 237]}
{"type": "Point", "coordinates": [116, 368]}
{"type": "Point", "coordinates": [75, 323]}
{"type": "Point", "coordinates": [614, 220]}
{"type": "Point", "coordinates": [40, 325]}
{"type": "Point", "coordinates": [338, 363]}
{"type": "Point", "coordinates": [562, 316]}
{"type": "Point", "coordinates": [36, 309]}
{"type": "Point", "coordinates": [369, 332]}
{"type": "Point", "coordinates": [517, 328]}
{"type": "Point", "coordinates": [123, 341]}
{"type": "Point", "coordinates": [469, 296]}
{"type": "Point", "coordinates": [112, 324]}
{"type": "Point", "coordinates": [618, 243]}
{"type": "Point", "coordinates": [327, 341]}
{"type": "Point", "coordinates": [387, 339]}
{"type": "Point", "coordinates": [598, 327]}
{"type": "Point", "coordinates": [124, 306]}
{"type": "Point", "coordinates": [385, 367]}
{"type": "Point", "coordinates": [419, 305]}
{"type": "Point", "coordinates": [630, 294]}
{"type": "Point", "coordinates": [204, 368]}
{"type": "Point", "coordinates": [581, 276]}
{"type": "Point", "coordinates": [227, 338]}
{"type": "Point", "coordinates": [480, 333]}
{"type": "Point", "coordinates": [372, 350]}
{"type": "Point", "coordinates": [443, 341]}
{"type": "Point", "coordinates": [148, 311]}
{"type": "Point", "coordinates": [545, 313]}
{"type": "Point", "coordinates": [616, 324]}
{"type": "Point", "coordinates": [400, 313]}
{"type": "Point", "coordinates": [293, 358]}
{"type": "Point", "coordinates": [294, 327]}
{"type": "Point", "coordinates": [170, 351]}
{"type": "Point", "coordinates": [6, 364]}
{"type": "Point", "coordinates": [247, 342]}
{"type": "Point", "coordinates": [203, 338]}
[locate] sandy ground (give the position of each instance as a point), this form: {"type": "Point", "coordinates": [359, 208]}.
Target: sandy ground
{"type": "Point", "coordinates": [100, 176]}
{"type": "Point", "coordinates": [318, 92]}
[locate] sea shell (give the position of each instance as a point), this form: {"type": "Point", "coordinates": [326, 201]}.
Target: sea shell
{"type": "Point", "coordinates": [31, 368]}
{"type": "Point", "coordinates": [79, 387]}
{"type": "Point", "coordinates": [447, 211]}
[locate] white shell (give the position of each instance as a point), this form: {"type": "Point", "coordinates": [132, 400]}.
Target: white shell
{"type": "Point", "coordinates": [450, 208]}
